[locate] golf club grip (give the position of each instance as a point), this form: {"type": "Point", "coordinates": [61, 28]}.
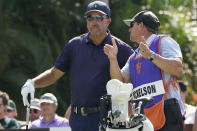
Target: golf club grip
{"type": "Point", "coordinates": [28, 111]}
{"type": "Point", "coordinates": [29, 97]}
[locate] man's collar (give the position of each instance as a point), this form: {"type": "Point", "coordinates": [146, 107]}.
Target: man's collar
{"type": "Point", "coordinates": [107, 38]}
{"type": "Point", "coordinates": [54, 118]}
{"type": "Point", "coordinates": [150, 39]}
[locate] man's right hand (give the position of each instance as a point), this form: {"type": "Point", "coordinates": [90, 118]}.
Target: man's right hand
{"type": "Point", "coordinates": [28, 88]}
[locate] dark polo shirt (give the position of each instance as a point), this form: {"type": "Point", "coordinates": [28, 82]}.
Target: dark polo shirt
{"type": "Point", "coordinates": [89, 68]}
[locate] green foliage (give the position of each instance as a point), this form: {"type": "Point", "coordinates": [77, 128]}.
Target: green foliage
{"type": "Point", "coordinates": [33, 33]}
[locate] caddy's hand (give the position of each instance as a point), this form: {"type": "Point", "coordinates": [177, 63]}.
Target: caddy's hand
{"type": "Point", "coordinates": [27, 88]}
{"type": "Point", "coordinates": [144, 48]}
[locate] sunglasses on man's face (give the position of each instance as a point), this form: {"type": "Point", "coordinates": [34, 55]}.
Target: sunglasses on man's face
{"type": "Point", "coordinates": [131, 24]}
{"type": "Point", "coordinates": [98, 18]}
{"type": "Point", "coordinates": [8, 110]}
{"type": "Point", "coordinates": [34, 111]}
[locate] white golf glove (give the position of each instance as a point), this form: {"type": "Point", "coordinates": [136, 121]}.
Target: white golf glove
{"type": "Point", "coordinates": [27, 88]}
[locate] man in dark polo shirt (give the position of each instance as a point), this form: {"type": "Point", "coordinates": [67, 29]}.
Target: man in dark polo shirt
{"type": "Point", "coordinates": [88, 67]}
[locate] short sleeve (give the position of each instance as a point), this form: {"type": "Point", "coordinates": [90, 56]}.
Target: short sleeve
{"type": "Point", "coordinates": [63, 60]}
{"type": "Point", "coordinates": [125, 69]}
{"type": "Point", "coordinates": [170, 48]}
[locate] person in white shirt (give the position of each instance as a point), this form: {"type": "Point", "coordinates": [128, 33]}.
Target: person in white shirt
{"type": "Point", "coordinates": [190, 110]}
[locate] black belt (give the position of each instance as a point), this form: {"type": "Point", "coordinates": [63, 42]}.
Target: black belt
{"type": "Point", "coordinates": [84, 111]}
{"type": "Point", "coordinates": [170, 101]}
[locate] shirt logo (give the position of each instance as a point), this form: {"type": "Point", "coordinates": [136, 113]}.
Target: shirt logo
{"type": "Point", "coordinates": [138, 67]}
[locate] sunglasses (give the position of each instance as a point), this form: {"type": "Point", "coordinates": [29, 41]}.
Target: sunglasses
{"type": "Point", "coordinates": [34, 111]}
{"type": "Point", "coordinates": [131, 24]}
{"type": "Point", "coordinates": [8, 110]}
{"type": "Point", "coordinates": [97, 17]}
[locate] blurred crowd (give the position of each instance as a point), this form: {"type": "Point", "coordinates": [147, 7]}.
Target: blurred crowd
{"type": "Point", "coordinates": [42, 113]}
{"type": "Point", "coordinates": [190, 116]}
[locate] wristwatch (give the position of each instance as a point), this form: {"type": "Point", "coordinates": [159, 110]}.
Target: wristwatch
{"type": "Point", "coordinates": [153, 56]}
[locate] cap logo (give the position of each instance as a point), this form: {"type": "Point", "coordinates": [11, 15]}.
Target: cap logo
{"type": "Point", "coordinates": [95, 5]}
{"type": "Point", "coordinates": [98, 6]}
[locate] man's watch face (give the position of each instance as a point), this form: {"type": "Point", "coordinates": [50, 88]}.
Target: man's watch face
{"type": "Point", "coordinates": [153, 56]}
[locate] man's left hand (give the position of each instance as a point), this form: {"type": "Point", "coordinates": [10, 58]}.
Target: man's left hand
{"type": "Point", "coordinates": [144, 49]}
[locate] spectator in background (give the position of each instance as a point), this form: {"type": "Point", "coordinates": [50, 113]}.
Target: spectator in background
{"type": "Point", "coordinates": [34, 109]}
{"type": "Point", "coordinates": [5, 122]}
{"type": "Point", "coordinates": [195, 122]}
{"type": "Point", "coordinates": [190, 110]}
{"type": "Point", "coordinates": [11, 110]}
{"type": "Point", "coordinates": [12, 113]}
{"type": "Point", "coordinates": [48, 116]}
{"type": "Point", "coordinates": [34, 113]}
{"type": "Point", "coordinates": [195, 99]}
